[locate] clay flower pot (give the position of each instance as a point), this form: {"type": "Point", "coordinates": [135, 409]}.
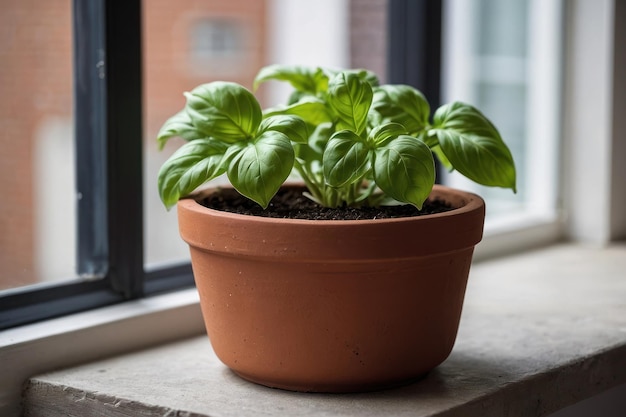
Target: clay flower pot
{"type": "Point", "coordinates": [333, 306]}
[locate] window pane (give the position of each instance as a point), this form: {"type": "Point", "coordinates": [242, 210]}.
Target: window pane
{"type": "Point", "coordinates": [503, 57]}
{"type": "Point", "coordinates": [186, 44]}
{"type": "Point", "coordinates": [37, 213]}
{"type": "Point", "coordinates": [190, 42]}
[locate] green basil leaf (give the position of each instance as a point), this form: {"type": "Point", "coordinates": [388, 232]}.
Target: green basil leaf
{"type": "Point", "coordinates": [303, 79]}
{"type": "Point", "coordinates": [294, 127]}
{"type": "Point", "coordinates": [473, 145]}
{"type": "Point", "coordinates": [350, 97]}
{"type": "Point", "coordinates": [381, 134]}
{"type": "Point", "coordinates": [192, 165]}
{"type": "Point", "coordinates": [314, 149]}
{"type": "Point", "coordinates": [405, 170]}
{"type": "Point", "coordinates": [296, 96]}
{"type": "Point", "coordinates": [258, 169]}
{"type": "Point", "coordinates": [366, 75]}
{"type": "Point", "coordinates": [224, 110]}
{"type": "Point", "coordinates": [178, 125]}
{"type": "Point", "coordinates": [310, 109]}
{"type": "Point", "coordinates": [345, 159]}
{"type": "Point", "coordinates": [402, 104]}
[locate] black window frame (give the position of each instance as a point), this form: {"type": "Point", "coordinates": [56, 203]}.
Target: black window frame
{"type": "Point", "coordinates": [108, 113]}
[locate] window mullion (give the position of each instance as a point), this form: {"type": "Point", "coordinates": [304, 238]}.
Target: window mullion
{"type": "Point", "coordinates": [124, 146]}
{"type": "Point", "coordinates": [92, 252]}
{"type": "Point", "coordinates": [414, 46]}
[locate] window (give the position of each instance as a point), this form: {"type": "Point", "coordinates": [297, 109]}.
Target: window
{"type": "Point", "coordinates": [506, 59]}
{"type": "Point", "coordinates": [109, 224]}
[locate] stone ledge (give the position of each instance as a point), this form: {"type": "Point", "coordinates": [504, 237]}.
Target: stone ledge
{"type": "Point", "coordinates": [540, 331]}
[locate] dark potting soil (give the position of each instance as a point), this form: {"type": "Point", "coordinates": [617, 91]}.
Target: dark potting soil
{"type": "Point", "coordinates": [290, 203]}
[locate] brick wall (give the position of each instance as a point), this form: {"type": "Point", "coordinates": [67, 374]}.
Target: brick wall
{"type": "Point", "coordinates": [35, 82]}
{"type": "Point", "coordinates": [168, 65]}
{"type": "Point", "coordinates": [368, 35]}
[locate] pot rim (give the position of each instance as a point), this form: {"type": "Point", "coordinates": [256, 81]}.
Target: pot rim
{"type": "Point", "coordinates": [235, 234]}
{"type": "Point", "coordinates": [470, 202]}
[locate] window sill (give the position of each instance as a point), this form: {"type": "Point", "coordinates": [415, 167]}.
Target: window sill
{"type": "Point", "coordinates": [540, 331]}
{"type": "Point", "coordinates": [84, 337]}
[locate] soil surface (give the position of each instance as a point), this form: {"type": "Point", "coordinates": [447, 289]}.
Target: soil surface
{"type": "Point", "coordinates": [290, 203]}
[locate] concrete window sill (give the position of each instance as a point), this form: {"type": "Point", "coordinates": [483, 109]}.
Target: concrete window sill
{"type": "Point", "coordinates": [540, 331]}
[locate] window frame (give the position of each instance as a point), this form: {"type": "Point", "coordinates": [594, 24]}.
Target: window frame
{"type": "Point", "coordinates": [108, 121]}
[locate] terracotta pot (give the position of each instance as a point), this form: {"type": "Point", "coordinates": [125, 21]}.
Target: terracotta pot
{"type": "Point", "coordinates": [333, 306]}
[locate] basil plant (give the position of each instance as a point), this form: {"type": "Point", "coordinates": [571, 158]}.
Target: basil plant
{"type": "Point", "coordinates": [351, 140]}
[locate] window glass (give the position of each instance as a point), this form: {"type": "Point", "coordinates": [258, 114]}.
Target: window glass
{"type": "Point", "coordinates": [503, 57]}
{"type": "Point", "coordinates": [188, 43]}
{"type": "Point", "coordinates": [37, 212]}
